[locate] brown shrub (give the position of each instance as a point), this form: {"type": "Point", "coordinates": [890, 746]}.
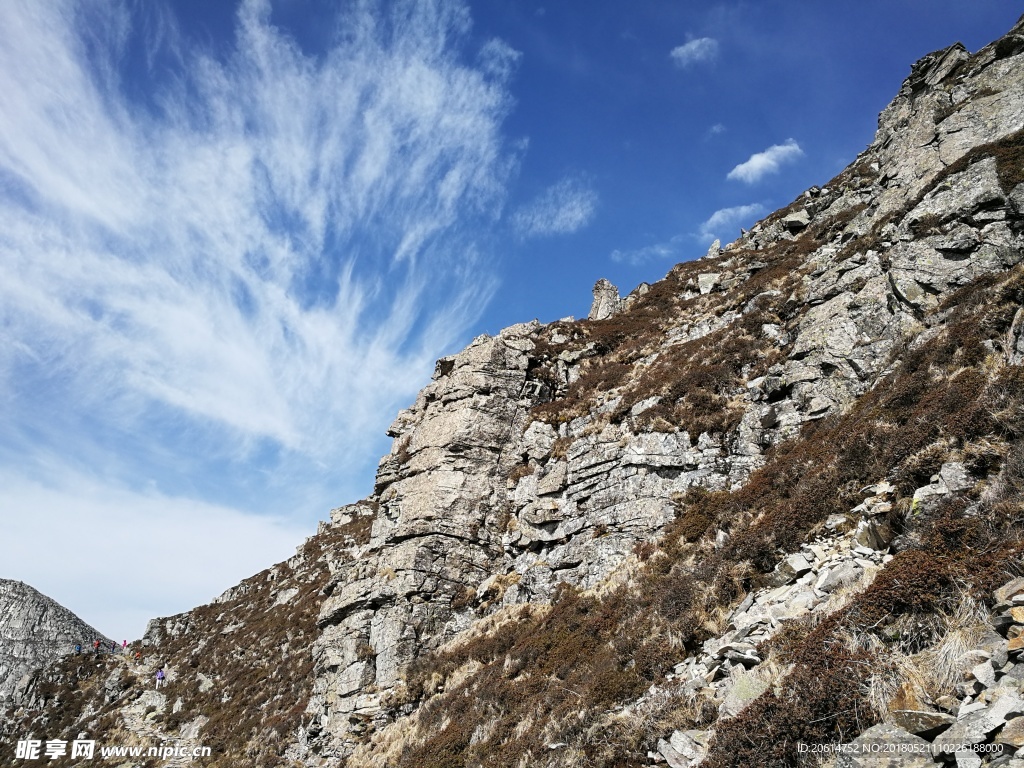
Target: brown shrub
{"type": "Point", "coordinates": [519, 471]}
{"type": "Point", "coordinates": [262, 670]}
{"type": "Point", "coordinates": [819, 703]}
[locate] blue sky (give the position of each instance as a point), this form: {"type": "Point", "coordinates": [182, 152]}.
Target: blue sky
{"type": "Point", "coordinates": [235, 237]}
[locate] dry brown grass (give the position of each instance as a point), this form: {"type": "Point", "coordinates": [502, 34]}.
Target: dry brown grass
{"type": "Point", "coordinates": [262, 670]}
{"type": "Point", "coordinates": [699, 381]}
{"type": "Point", "coordinates": [566, 669]}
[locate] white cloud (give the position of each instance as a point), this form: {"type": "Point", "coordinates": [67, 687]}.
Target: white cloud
{"type": "Point", "coordinates": [118, 558]}
{"type": "Point", "coordinates": [499, 58]}
{"type": "Point", "coordinates": [670, 249]}
{"type": "Point", "coordinates": [720, 225]}
{"type": "Point", "coordinates": [252, 272]}
{"type": "Point", "coordinates": [241, 235]}
{"type": "Point", "coordinates": [561, 209]}
{"type": "Point", "coordinates": [761, 164]}
{"type": "Point", "coordinates": [695, 51]}
{"type": "Point", "coordinates": [723, 222]}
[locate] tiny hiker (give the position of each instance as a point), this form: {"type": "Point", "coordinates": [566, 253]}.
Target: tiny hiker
{"type": "Point", "coordinates": [159, 677]}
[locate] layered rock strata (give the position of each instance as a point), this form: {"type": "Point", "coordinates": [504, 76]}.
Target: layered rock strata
{"type": "Point", "coordinates": [34, 631]}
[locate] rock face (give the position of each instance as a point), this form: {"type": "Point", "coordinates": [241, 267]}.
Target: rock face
{"type": "Point", "coordinates": [741, 497]}
{"type": "Point", "coordinates": [606, 301]}
{"type": "Point", "coordinates": [436, 537]}
{"type": "Point", "coordinates": [35, 630]}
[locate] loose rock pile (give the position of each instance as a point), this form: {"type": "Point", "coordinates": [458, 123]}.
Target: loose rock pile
{"type": "Point", "coordinates": [810, 581]}
{"type": "Point", "coordinates": [980, 723]}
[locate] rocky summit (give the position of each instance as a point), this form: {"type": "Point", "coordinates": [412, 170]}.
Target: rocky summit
{"type": "Point", "coordinates": [765, 511]}
{"type": "Point", "coordinates": [34, 631]}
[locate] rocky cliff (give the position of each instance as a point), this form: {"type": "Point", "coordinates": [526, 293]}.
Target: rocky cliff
{"type": "Point", "coordinates": [34, 631]}
{"type": "Point", "coordinates": [767, 502]}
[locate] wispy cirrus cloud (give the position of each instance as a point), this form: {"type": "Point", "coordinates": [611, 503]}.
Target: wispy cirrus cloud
{"type": "Point", "coordinates": [673, 248]}
{"type": "Point", "coordinates": [499, 58]}
{"type": "Point", "coordinates": [561, 209]}
{"type": "Point", "coordinates": [762, 164]}
{"type": "Point", "coordinates": [694, 52]}
{"type": "Point", "coordinates": [719, 223]}
{"type": "Point", "coordinates": [241, 233]}
{"type": "Point", "coordinates": [254, 269]}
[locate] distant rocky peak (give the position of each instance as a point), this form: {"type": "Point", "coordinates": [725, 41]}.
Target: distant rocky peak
{"type": "Point", "coordinates": [35, 630]}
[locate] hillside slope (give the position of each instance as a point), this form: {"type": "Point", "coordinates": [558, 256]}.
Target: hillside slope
{"type": "Point", "coordinates": [35, 630]}
{"type": "Point", "coordinates": [770, 500]}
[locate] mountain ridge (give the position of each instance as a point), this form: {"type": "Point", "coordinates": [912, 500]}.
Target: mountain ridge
{"type": "Point", "coordinates": [574, 515]}
{"type": "Point", "coordinates": [35, 630]}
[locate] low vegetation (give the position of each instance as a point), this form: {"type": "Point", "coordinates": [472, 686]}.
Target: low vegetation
{"type": "Point", "coordinates": [240, 670]}
{"type": "Point", "coordinates": [696, 380]}
{"type": "Point", "coordinates": [557, 675]}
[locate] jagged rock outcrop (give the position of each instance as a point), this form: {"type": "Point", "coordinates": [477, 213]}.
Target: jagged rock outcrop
{"type": "Point", "coordinates": [34, 631]}
{"type": "Point", "coordinates": [440, 497]}
{"type": "Point", "coordinates": [606, 300]}
{"type": "Point", "coordinates": [881, 246]}
{"type": "Point", "coordinates": [729, 513]}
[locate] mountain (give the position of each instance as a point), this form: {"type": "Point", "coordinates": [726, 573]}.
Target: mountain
{"type": "Point", "coordinates": [34, 631]}
{"type": "Point", "coordinates": [767, 506]}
